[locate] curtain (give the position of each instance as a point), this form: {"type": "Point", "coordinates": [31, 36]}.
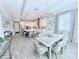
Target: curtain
{"type": "Point", "coordinates": [75, 34]}
{"type": "Point", "coordinates": [65, 23]}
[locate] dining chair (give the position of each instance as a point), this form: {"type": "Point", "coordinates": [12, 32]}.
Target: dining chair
{"type": "Point", "coordinates": [24, 32]}
{"type": "Point", "coordinates": [31, 34]}
{"type": "Point", "coordinates": [40, 49]}
{"type": "Point", "coordinates": [65, 38]}
{"type": "Point", "coordinates": [57, 48]}
{"type": "Point", "coordinates": [36, 32]}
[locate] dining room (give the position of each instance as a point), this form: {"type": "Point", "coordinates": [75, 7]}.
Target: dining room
{"type": "Point", "coordinates": [43, 29]}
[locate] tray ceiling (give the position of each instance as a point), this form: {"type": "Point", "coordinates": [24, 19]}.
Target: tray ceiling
{"type": "Point", "coordinates": [35, 8]}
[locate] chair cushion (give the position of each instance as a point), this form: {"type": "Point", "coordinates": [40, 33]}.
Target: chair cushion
{"type": "Point", "coordinates": [57, 48]}
{"type": "Point", "coordinates": [41, 49]}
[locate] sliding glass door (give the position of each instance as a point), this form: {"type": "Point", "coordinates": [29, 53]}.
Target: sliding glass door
{"type": "Point", "coordinates": [65, 23]}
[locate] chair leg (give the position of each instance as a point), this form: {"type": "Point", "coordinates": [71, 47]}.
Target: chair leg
{"type": "Point", "coordinates": [65, 47]}
{"type": "Point", "coordinates": [56, 55]}
{"type": "Point", "coordinates": [47, 54]}
{"type": "Point", "coordinates": [61, 51]}
{"type": "Point", "coordinates": [39, 56]}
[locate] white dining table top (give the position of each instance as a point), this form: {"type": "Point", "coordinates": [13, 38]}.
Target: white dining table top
{"type": "Point", "coordinates": [48, 41]}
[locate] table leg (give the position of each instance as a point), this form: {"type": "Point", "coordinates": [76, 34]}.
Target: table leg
{"type": "Point", "coordinates": [49, 52]}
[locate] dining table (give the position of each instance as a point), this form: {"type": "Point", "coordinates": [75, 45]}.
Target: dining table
{"type": "Point", "coordinates": [48, 41]}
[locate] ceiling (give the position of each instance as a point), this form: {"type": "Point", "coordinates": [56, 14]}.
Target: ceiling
{"type": "Point", "coordinates": [32, 9]}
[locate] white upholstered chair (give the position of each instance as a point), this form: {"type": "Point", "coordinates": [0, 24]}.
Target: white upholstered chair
{"type": "Point", "coordinates": [65, 38]}
{"type": "Point", "coordinates": [57, 48]}
{"type": "Point", "coordinates": [40, 49]}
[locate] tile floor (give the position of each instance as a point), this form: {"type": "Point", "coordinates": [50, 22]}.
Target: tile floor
{"type": "Point", "coordinates": [22, 48]}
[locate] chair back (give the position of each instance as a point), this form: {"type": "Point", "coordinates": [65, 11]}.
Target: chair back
{"type": "Point", "coordinates": [58, 46]}
{"type": "Point", "coordinates": [65, 38]}
{"type": "Point", "coordinates": [40, 48]}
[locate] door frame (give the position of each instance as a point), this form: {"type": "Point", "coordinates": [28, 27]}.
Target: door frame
{"type": "Point", "coordinates": [14, 26]}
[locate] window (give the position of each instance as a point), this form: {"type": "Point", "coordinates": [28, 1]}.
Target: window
{"type": "Point", "coordinates": [64, 22]}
